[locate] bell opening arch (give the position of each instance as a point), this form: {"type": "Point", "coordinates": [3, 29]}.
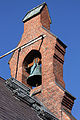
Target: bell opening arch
{"type": "Point", "coordinates": [32, 75]}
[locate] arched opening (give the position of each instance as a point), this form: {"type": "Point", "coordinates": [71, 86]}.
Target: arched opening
{"type": "Point", "coordinates": [32, 68]}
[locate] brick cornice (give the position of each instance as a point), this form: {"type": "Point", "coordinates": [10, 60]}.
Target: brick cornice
{"type": "Point", "coordinates": [61, 43]}
{"type": "Point", "coordinates": [58, 58]}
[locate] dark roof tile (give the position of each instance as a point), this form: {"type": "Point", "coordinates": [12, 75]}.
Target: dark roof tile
{"type": "Point", "coordinates": [14, 109]}
{"type": "Point", "coordinates": [16, 103]}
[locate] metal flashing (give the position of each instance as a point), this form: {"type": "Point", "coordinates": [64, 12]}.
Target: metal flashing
{"type": "Point", "coordinates": [34, 12]}
{"type": "Point", "coordinates": [58, 40]}
{"type": "Point", "coordinates": [66, 92]}
{"type": "Point", "coordinates": [49, 31]}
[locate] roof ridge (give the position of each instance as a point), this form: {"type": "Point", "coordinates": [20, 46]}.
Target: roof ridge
{"type": "Point", "coordinates": [33, 9]}
{"type": "Point", "coordinates": [44, 3]}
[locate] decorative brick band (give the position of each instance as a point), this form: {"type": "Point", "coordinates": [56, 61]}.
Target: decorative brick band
{"type": "Point", "coordinates": [59, 49]}
{"type": "Point", "coordinates": [67, 103]}
{"type": "Point", "coordinates": [58, 58]}
{"type": "Point", "coordinates": [61, 43]}
{"type": "Point", "coordinates": [69, 114]}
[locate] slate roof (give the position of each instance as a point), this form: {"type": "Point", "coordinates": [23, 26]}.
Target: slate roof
{"type": "Point", "coordinates": [16, 104]}
{"type": "Point", "coordinates": [11, 108]}
{"type": "Point", "coordinates": [35, 11]}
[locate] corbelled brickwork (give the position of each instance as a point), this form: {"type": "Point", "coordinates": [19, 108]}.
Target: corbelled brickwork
{"type": "Point", "coordinates": [52, 90]}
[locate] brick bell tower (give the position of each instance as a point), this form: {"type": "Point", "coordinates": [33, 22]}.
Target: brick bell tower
{"type": "Point", "coordinates": [49, 53]}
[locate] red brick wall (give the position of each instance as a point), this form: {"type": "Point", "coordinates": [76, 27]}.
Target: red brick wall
{"type": "Point", "coordinates": [58, 61]}
{"type": "Point", "coordinates": [45, 18]}
{"type": "Point", "coordinates": [52, 69]}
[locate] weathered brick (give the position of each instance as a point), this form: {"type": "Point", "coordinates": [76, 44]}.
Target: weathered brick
{"type": "Point", "coordinates": [52, 53]}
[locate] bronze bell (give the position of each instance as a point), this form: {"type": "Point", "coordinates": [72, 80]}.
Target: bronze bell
{"type": "Point", "coordinates": [35, 75]}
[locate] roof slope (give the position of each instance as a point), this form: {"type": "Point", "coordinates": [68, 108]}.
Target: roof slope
{"type": "Point", "coordinates": [16, 103]}
{"type": "Point", "coordinates": [12, 108]}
